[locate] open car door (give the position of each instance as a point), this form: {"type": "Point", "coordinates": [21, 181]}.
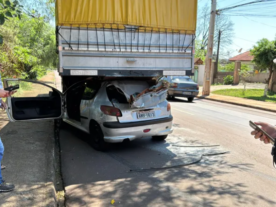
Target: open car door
{"type": "Point", "coordinates": [33, 101]}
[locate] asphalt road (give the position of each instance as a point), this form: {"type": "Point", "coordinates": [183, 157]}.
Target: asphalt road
{"type": "Point", "coordinates": [243, 177]}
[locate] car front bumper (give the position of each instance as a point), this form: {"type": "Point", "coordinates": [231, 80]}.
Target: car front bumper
{"type": "Point", "coordinates": [115, 132]}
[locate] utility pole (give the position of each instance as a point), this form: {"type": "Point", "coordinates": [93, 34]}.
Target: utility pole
{"type": "Point", "coordinates": [208, 61]}
{"type": "Point", "coordinates": [217, 61]}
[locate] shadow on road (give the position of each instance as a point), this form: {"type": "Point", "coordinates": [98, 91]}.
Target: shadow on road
{"type": "Point", "coordinates": [183, 100]}
{"type": "Point", "coordinates": [95, 178]}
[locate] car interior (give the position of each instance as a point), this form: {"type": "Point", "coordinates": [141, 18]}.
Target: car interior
{"type": "Point", "coordinates": [84, 91]}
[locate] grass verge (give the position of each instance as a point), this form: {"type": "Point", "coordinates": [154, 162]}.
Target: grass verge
{"type": "Point", "coordinates": [255, 94]}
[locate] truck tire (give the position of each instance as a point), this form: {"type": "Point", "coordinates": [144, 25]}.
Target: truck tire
{"type": "Point", "coordinates": [190, 99]}
{"type": "Point", "coordinates": [96, 137]}
{"type": "Point", "coordinates": [159, 138]}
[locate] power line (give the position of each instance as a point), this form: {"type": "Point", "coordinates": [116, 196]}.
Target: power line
{"type": "Point", "coordinates": [250, 4]}
{"type": "Point", "coordinates": [265, 6]}
{"type": "Point", "coordinates": [258, 8]}
{"type": "Point", "coordinates": [259, 22]}
{"type": "Point", "coordinates": [245, 39]}
{"type": "Point", "coordinates": [236, 44]}
{"type": "Point", "coordinates": [252, 15]}
{"type": "Point", "coordinates": [233, 4]}
{"type": "Point", "coordinates": [245, 4]}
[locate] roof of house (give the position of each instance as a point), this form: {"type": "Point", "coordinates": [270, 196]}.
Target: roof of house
{"type": "Point", "coordinates": [198, 61]}
{"type": "Point", "coordinates": [246, 57]}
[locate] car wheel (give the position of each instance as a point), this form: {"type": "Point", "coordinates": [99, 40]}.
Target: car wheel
{"type": "Point", "coordinates": [169, 97]}
{"type": "Point", "coordinates": [191, 99]}
{"type": "Point", "coordinates": [159, 138]}
{"type": "Point", "coordinates": [97, 137]}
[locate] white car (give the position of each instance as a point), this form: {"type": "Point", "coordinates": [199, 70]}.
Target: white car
{"type": "Point", "coordinates": [101, 108]}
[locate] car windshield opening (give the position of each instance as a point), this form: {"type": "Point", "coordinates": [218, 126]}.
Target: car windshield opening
{"type": "Point", "coordinates": [116, 95]}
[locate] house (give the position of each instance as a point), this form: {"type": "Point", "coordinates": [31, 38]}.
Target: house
{"type": "Point", "coordinates": [198, 71]}
{"type": "Point", "coordinates": [245, 58]}
{"type": "Point", "coordinates": [198, 61]}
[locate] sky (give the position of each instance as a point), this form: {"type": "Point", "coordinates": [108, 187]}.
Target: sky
{"type": "Point", "coordinates": [251, 26]}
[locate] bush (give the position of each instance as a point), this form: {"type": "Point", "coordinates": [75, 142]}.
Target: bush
{"type": "Point", "coordinates": [230, 67]}
{"type": "Point", "coordinates": [228, 80]}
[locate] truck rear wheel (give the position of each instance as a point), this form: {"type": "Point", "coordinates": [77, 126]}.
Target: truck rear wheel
{"type": "Point", "coordinates": [97, 137]}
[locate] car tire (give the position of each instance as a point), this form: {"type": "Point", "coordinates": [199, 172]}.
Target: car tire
{"type": "Point", "coordinates": [97, 137]}
{"type": "Point", "coordinates": [159, 138]}
{"type": "Point", "coordinates": [190, 99]}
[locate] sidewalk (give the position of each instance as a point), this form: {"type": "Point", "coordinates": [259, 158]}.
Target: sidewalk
{"type": "Point", "coordinates": [30, 160]}
{"type": "Point", "coordinates": [266, 106]}
{"type": "Point", "coordinates": [240, 86]}
{"type": "Point", "coordinates": [29, 151]}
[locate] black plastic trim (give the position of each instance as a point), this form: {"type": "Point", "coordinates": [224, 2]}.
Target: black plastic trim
{"type": "Point", "coordinates": [83, 117]}
{"type": "Point", "coordinates": [117, 125]}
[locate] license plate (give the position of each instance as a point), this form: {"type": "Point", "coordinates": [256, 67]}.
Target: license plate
{"type": "Point", "coordinates": [187, 93]}
{"type": "Point", "coordinates": [145, 115]}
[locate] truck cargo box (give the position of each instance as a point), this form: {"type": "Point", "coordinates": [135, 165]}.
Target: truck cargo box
{"type": "Point", "coordinates": [126, 37]}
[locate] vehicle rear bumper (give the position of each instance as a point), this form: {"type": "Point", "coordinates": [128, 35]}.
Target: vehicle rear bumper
{"type": "Point", "coordinates": [119, 132]}
{"type": "Point", "coordinates": [179, 93]}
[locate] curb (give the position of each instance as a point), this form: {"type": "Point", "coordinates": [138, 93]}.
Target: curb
{"type": "Point", "coordinates": [237, 104]}
{"type": "Point", "coordinates": [59, 182]}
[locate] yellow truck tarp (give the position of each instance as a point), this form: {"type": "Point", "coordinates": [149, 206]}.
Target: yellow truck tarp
{"type": "Point", "coordinates": [176, 15]}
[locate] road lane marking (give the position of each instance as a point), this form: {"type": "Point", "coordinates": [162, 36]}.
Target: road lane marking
{"type": "Point", "coordinates": [183, 111]}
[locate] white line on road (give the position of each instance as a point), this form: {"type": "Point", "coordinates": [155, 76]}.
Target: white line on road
{"type": "Point", "coordinates": [183, 111]}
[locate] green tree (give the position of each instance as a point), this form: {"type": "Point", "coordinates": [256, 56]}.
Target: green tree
{"type": "Point", "coordinates": [29, 47]}
{"type": "Point", "coordinates": [264, 53]}
{"type": "Point", "coordinates": [9, 9]}
{"type": "Point", "coordinates": [244, 75]}
{"type": "Point", "coordinates": [39, 37]}
{"type": "Point", "coordinates": [199, 51]}
{"type": "Point", "coordinates": [231, 67]}
{"type": "Point", "coordinates": [40, 8]}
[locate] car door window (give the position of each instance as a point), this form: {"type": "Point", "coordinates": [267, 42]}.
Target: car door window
{"type": "Point", "coordinates": [90, 91]}
{"type": "Point", "coordinates": [30, 89]}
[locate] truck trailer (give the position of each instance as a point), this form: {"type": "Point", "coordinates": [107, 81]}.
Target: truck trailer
{"type": "Point", "coordinates": [125, 38]}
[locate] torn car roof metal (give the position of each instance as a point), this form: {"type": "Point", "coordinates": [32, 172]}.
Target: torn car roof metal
{"type": "Point", "coordinates": [142, 96]}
